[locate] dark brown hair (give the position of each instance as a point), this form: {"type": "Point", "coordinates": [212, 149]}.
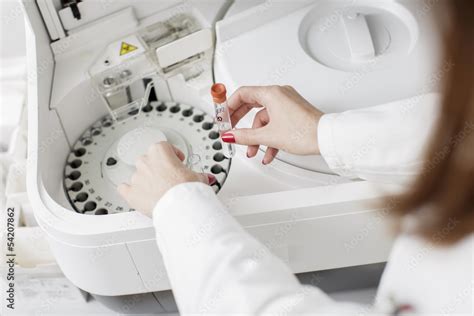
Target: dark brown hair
{"type": "Point", "coordinates": [442, 197]}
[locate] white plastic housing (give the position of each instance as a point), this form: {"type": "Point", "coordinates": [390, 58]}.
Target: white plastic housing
{"type": "Point", "coordinates": [328, 222]}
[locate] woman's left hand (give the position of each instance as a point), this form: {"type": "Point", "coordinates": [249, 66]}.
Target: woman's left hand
{"type": "Point", "coordinates": [157, 172]}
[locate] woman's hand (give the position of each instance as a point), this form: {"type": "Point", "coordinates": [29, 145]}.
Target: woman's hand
{"type": "Point", "coordinates": [157, 172]}
{"type": "Point", "coordinates": [286, 121]}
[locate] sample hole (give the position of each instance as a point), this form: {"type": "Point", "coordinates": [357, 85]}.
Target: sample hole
{"type": "Point", "coordinates": [107, 122]}
{"type": "Point", "coordinates": [214, 135]}
{"type": "Point", "coordinates": [198, 118]}
{"type": "Point", "coordinates": [76, 186]}
{"type": "Point", "coordinates": [187, 113]}
{"type": "Point", "coordinates": [74, 175]}
{"type": "Point", "coordinates": [147, 108]}
{"type": "Point", "coordinates": [82, 197]}
{"type": "Point", "coordinates": [207, 126]}
{"type": "Point", "coordinates": [101, 211]}
{"type": "Point", "coordinates": [90, 206]}
{"type": "Point", "coordinates": [219, 157]}
{"type": "Point", "coordinates": [76, 163]}
{"type": "Point", "coordinates": [217, 146]}
{"type": "Point", "coordinates": [96, 131]}
{"type": "Point", "coordinates": [175, 109]}
{"type": "Point", "coordinates": [133, 112]}
{"type": "Point", "coordinates": [111, 161]}
{"type": "Point", "coordinates": [86, 141]}
{"type": "Point", "coordinates": [161, 108]}
{"type": "Point", "coordinates": [216, 169]}
{"type": "Point", "coordinates": [80, 152]}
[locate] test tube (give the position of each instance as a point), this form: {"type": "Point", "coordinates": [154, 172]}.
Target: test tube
{"type": "Point", "coordinates": [219, 95]}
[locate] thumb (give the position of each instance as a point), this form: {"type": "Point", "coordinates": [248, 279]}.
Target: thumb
{"type": "Point", "coordinates": [246, 136]}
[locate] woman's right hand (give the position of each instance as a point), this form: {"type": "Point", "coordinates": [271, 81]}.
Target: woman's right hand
{"type": "Point", "coordinates": [286, 121]}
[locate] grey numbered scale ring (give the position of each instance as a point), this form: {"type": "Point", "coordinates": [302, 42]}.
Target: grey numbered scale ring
{"type": "Point", "coordinates": [105, 154]}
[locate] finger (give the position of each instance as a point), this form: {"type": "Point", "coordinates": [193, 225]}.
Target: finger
{"type": "Point", "coordinates": [244, 100]}
{"type": "Point", "coordinates": [270, 155]}
{"type": "Point", "coordinates": [238, 114]}
{"type": "Point", "coordinates": [179, 153]}
{"type": "Point", "coordinates": [164, 151]}
{"type": "Point", "coordinates": [246, 95]}
{"type": "Point", "coordinates": [124, 190]}
{"type": "Point", "coordinates": [207, 178]}
{"type": "Point", "coordinates": [141, 163]}
{"type": "Point", "coordinates": [260, 120]}
{"type": "Point", "coordinates": [247, 136]}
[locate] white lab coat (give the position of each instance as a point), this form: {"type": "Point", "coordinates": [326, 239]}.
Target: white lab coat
{"type": "Point", "coordinates": [209, 256]}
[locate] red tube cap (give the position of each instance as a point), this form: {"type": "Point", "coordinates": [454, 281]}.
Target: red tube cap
{"type": "Point", "coordinates": [219, 93]}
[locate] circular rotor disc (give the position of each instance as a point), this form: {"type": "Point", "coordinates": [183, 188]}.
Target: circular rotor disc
{"type": "Point", "coordinates": [99, 160]}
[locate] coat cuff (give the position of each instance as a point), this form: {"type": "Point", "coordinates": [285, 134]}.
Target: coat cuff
{"type": "Point", "coordinates": [327, 143]}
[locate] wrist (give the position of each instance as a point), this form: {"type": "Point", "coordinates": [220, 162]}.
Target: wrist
{"type": "Point", "coordinates": [317, 150]}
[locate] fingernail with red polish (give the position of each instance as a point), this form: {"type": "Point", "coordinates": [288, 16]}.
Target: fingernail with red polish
{"type": "Point", "coordinates": [228, 138]}
{"type": "Point", "coordinates": [211, 179]}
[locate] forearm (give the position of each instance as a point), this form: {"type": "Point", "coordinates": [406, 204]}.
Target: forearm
{"type": "Point", "coordinates": [215, 266]}
{"type": "Point", "coordinates": [384, 143]}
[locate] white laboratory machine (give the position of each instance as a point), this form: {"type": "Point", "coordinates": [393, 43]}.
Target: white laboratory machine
{"type": "Point", "coordinates": [109, 78]}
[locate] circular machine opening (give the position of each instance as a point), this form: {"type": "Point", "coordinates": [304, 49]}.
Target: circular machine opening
{"type": "Point", "coordinates": [104, 155]}
{"type": "Point", "coordinates": [349, 36]}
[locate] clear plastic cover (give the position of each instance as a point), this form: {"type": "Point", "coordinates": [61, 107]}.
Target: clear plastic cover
{"type": "Point", "coordinates": [123, 75]}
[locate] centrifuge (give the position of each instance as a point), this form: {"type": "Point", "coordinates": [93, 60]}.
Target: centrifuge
{"type": "Point", "coordinates": [107, 79]}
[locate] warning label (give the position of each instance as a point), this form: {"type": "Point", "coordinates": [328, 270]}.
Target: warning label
{"type": "Point", "coordinates": [126, 48]}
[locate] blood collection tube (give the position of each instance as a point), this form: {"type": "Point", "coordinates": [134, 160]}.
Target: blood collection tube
{"type": "Point", "coordinates": [219, 95]}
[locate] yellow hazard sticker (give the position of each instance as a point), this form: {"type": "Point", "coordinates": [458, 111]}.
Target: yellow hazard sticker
{"type": "Point", "coordinates": [126, 48]}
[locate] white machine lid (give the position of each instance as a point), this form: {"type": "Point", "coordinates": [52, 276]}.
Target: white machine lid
{"type": "Point", "coordinates": [65, 18]}
{"type": "Point", "coordinates": [339, 55]}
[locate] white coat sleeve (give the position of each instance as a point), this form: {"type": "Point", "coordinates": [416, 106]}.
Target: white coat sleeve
{"type": "Point", "coordinates": [216, 268]}
{"type": "Point", "coordinates": [384, 143]}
